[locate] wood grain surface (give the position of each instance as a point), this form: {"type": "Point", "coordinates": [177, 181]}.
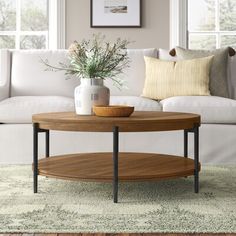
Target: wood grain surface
{"type": "Point", "coordinates": [137, 122]}
{"type": "Point", "coordinates": [132, 167]}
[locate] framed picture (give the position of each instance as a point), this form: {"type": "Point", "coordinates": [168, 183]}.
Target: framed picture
{"type": "Point", "coordinates": [115, 13]}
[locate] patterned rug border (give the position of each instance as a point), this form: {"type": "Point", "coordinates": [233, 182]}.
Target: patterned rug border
{"type": "Point", "coordinates": [231, 170]}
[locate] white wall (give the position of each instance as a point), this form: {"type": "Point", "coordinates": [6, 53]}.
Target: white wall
{"type": "Point", "coordinates": [154, 33]}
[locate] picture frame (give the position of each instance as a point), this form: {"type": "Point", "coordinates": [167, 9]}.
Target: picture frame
{"type": "Point", "coordinates": [115, 13]}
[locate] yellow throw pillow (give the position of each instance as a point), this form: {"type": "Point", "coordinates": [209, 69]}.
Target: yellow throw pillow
{"type": "Point", "coordinates": [182, 78]}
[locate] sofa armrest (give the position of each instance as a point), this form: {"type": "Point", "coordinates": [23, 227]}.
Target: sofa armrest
{"type": "Point", "coordinates": [4, 74]}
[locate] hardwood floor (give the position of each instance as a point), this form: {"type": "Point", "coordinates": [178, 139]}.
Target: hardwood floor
{"type": "Point", "coordinates": [122, 234]}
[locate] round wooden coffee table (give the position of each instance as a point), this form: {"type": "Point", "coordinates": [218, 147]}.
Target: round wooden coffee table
{"type": "Point", "coordinates": [116, 166]}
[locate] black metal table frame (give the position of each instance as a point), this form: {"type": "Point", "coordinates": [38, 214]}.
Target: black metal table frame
{"type": "Point", "coordinates": [37, 130]}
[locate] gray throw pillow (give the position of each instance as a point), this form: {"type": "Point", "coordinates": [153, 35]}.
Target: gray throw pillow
{"type": "Point", "coordinates": [218, 75]}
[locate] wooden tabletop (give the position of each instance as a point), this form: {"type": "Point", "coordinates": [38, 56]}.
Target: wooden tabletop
{"type": "Point", "coordinates": [140, 121]}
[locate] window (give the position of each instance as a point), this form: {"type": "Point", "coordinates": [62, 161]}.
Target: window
{"type": "Point", "coordinates": [211, 23]}
{"type": "Point", "coordinates": [203, 24]}
{"type": "Point", "coordinates": [31, 24]}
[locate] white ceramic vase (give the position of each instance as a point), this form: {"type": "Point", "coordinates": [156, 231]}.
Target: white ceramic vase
{"type": "Point", "coordinates": [90, 92]}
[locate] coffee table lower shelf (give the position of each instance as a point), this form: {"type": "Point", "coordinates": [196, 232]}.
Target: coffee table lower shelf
{"type": "Point", "coordinates": [132, 167]}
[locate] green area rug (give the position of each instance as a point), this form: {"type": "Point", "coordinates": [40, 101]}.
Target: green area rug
{"type": "Point", "coordinates": [166, 206]}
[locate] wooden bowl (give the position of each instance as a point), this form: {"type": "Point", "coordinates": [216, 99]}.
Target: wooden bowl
{"type": "Point", "coordinates": [113, 111]}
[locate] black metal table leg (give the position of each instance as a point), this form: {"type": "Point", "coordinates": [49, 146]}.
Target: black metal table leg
{"type": "Point", "coordinates": [185, 143]}
{"type": "Point", "coordinates": [115, 162]}
{"type": "Point", "coordinates": [196, 159]}
{"type": "Point", "coordinates": [35, 154]}
{"type": "Point", "coordinates": [47, 133]}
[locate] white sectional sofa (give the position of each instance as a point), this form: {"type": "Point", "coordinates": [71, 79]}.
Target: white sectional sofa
{"type": "Point", "coordinates": [26, 88]}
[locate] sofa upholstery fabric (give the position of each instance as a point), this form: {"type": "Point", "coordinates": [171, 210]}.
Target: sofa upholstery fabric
{"type": "Point", "coordinates": [212, 109]}
{"type": "Point", "coordinates": [134, 75]}
{"type": "Point", "coordinates": [29, 78]}
{"type": "Point", "coordinates": [217, 143]}
{"type": "Point", "coordinates": [20, 109]}
{"type": "Point", "coordinates": [139, 103]}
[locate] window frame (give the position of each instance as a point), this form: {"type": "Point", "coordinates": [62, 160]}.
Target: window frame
{"type": "Point", "coordinates": [55, 35]}
{"type": "Point", "coordinates": [57, 20]}
{"type": "Point", "coordinates": [179, 25]}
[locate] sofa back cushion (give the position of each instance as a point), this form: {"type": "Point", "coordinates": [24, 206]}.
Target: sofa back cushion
{"type": "Point", "coordinates": [28, 75]}
{"type": "Point", "coordinates": [134, 75]}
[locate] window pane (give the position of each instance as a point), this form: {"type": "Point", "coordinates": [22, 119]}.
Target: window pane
{"type": "Point", "coordinates": [201, 15]}
{"type": "Point", "coordinates": [33, 42]}
{"type": "Point", "coordinates": [34, 15]}
{"type": "Point", "coordinates": [7, 15]}
{"type": "Point", "coordinates": [228, 40]}
{"type": "Point", "coordinates": [228, 15]}
{"type": "Point", "coordinates": [7, 41]}
{"type": "Point", "coordinates": [202, 41]}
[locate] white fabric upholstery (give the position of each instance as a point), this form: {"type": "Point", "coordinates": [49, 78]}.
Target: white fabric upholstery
{"type": "Point", "coordinates": [139, 103]}
{"type": "Point", "coordinates": [212, 109]}
{"type": "Point", "coordinates": [217, 143]}
{"type": "Point", "coordinates": [20, 109]}
{"type": "Point", "coordinates": [29, 77]}
{"type": "Point", "coordinates": [4, 74]}
{"type": "Point", "coordinates": [135, 74]}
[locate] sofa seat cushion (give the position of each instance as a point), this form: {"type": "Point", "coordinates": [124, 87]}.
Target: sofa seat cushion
{"type": "Point", "coordinates": [20, 109]}
{"type": "Point", "coordinates": [211, 108]}
{"type": "Point", "coordinates": [139, 103]}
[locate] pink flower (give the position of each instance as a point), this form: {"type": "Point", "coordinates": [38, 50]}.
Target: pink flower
{"type": "Point", "coordinates": [73, 48]}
